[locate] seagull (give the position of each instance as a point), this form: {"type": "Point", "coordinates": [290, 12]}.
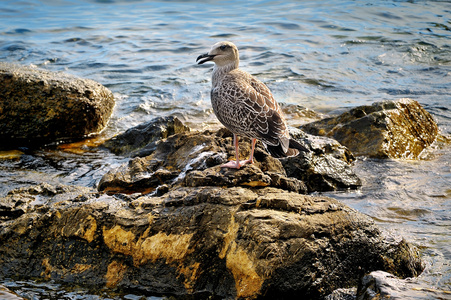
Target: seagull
{"type": "Point", "coordinates": [246, 106]}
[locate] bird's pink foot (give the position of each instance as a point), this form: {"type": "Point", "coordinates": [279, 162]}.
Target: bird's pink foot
{"type": "Point", "coordinates": [233, 164]}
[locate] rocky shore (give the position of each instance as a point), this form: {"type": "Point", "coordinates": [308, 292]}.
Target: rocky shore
{"type": "Point", "coordinates": [171, 222]}
{"type": "Point", "coordinates": [193, 159]}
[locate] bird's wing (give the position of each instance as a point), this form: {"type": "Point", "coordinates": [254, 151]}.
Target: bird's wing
{"type": "Point", "coordinates": [254, 111]}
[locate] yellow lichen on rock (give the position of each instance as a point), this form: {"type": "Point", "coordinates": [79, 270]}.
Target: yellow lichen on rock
{"type": "Point", "coordinates": [247, 281]}
{"type": "Point", "coordinates": [191, 273]}
{"type": "Point", "coordinates": [80, 268]}
{"type": "Point", "coordinates": [229, 237]}
{"type": "Point", "coordinates": [171, 247]}
{"type": "Point", "coordinates": [145, 248]}
{"type": "Point", "coordinates": [119, 240]}
{"type": "Point", "coordinates": [47, 268]}
{"type": "Point", "coordinates": [89, 230]}
{"type": "Point", "coordinates": [10, 154]}
{"type": "Point", "coordinates": [115, 273]}
{"type": "Point", "coordinates": [256, 183]}
{"type": "Point", "coordinates": [85, 227]}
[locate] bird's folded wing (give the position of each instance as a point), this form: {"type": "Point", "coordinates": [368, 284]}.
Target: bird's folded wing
{"type": "Point", "coordinates": [263, 115]}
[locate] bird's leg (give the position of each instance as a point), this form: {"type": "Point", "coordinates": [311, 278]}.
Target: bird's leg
{"type": "Point", "coordinates": [234, 164]}
{"type": "Point", "coordinates": [251, 157]}
{"type": "Point", "coordinates": [237, 164]}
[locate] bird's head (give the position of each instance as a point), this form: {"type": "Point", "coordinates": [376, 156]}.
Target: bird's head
{"type": "Point", "coordinates": [222, 54]}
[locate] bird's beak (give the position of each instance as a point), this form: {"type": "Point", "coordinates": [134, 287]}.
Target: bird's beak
{"type": "Point", "coordinates": [204, 58]}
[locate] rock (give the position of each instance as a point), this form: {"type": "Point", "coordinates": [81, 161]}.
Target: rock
{"type": "Point", "coordinates": [167, 165]}
{"type": "Point", "coordinates": [40, 107]}
{"type": "Point", "coordinates": [194, 159]}
{"type": "Point", "coordinates": [325, 168]}
{"type": "Point", "coordinates": [380, 285]}
{"type": "Point", "coordinates": [142, 139]}
{"type": "Point", "coordinates": [21, 200]}
{"type": "Point", "coordinates": [342, 294]}
{"type": "Point", "coordinates": [390, 129]}
{"type": "Point", "coordinates": [249, 176]}
{"type": "Point", "coordinates": [201, 242]}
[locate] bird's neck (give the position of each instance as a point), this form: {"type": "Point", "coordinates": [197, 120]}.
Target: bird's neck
{"type": "Point", "coordinates": [220, 71]}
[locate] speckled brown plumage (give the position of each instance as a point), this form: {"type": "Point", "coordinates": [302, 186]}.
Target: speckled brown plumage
{"type": "Point", "coordinates": [245, 105]}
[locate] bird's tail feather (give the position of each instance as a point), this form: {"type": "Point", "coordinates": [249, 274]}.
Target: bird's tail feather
{"type": "Point", "coordinates": [294, 148]}
{"type": "Point", "coordinates": [296, 145]}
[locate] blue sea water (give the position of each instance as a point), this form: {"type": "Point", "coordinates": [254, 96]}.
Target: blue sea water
{"type": "Point", "coordinates": [325, 55]}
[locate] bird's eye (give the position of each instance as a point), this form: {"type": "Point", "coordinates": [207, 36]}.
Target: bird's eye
{"type": "Point", "coordinates": [223, 47]}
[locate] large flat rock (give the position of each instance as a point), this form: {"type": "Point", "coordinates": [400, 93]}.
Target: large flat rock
{"type": "Point", "coordinates": [204, 242]}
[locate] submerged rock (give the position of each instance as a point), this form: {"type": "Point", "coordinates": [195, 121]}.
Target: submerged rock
{"type": "Point", "coordinates": [142, 139]}
{"type": "Point", "coordinates": [389, 129]}
{"type": "Point", "coordinates": [193, 159]}
{"type": "Point", "coordinates": [203, 241]}
{"type": "Point", "coordinates": [39, 106]}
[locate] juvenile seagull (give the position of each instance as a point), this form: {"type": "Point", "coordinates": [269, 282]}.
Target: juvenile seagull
{"type": "Point", "coordinates": [245, 106]}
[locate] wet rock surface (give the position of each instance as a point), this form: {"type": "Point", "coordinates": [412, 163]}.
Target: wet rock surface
{"type": "Point", "coordinates": [142, 139]}
{"type": "Point", "coordinates": [22, 200]}
{"type": "Point", "coordinates": [342, 294]}
{"type": "Point", "coordinates": [380, 285]}
{"type": "Point", "coordinates": [236, 242]}
{"type": "Point", "coordinates": [194, 159]}
{"type": "Point", "coordinates": [327, 167]}
{"type": "Point", "coordinates": [389, 129]}
{"type": "Point", "coordinates": [39, 107]}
